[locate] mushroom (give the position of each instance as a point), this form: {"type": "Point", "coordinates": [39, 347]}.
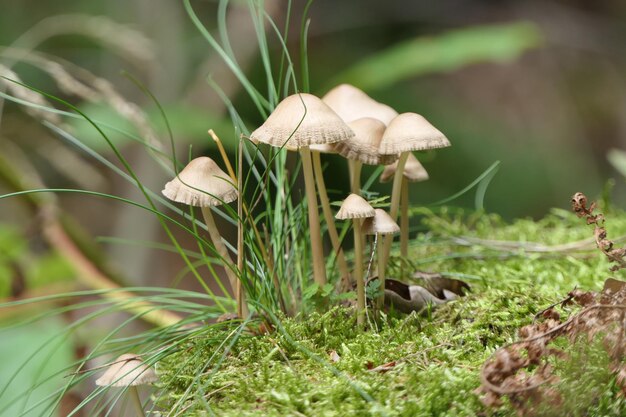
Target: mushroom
{"type": "Point", "coordinates": [413, 172]}
{"type": "Point", "coordinates": [128, 370]}
{"type": "Point", "coordinates": [203, 184]}
{"type": "Point", "coordinates": [316, 151]}
{"type": "Point", "coordinates": [350, 103]}
{"type": "Point", "coordinates": [356, 208]}
{"type": "Point", "coordinates": [407, 132]}
{"type": "Point", "coordinates": [380, 225]}
{"type": "Point", "coordinates": [362, 148]}
{"type": "Point", "coordinates": [297, 122]}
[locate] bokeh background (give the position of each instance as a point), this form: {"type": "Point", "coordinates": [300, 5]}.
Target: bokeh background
{"type": "Point", "coordinates": [538, 85]}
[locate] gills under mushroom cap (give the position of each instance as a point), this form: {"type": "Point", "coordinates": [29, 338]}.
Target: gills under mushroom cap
{"type": "Point", "coordinates": [364, 145]}
{"type": "Point", "coordinates": [381, 224]}
{"type": "Point", "coordinates": [411, 132]}
{"type": "Point", "coordinates": [354, 207]}
{"type": "Point", "coordinates": [350, 103]}
{"type": "Point", "coordinates": [201, 184]}
{"type": "Point", "coordinates": [413, 170]}
{"type": "Point", "coordinates": [127, 370]}
{"type": "Point", "coordinates": [301, 120]}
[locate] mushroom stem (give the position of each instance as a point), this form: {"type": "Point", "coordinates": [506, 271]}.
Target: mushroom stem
{"type": "Point", "coordinates": [134, 394]}
{"type": "Point", "coordinates": [220, 248]}
{"type": "Point", "coordinates": [354, 168]}
{"type": "Point", "coordinates": [319, 266]}
{"type": "Point", "coordinates": [395, 202]}
{"type": "Point", "coordinates": [330, 219]}
{"type": "Point", "coordinates": [358, 271]}
{"type": "Point", "coordinates": [404, 218]}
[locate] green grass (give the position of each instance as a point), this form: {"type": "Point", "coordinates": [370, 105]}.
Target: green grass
{"type": "Point", "coordinates": [438, 357]}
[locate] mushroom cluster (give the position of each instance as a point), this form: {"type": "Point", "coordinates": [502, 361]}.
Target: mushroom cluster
{"type": "Point", "coordinates": [345, 121]}
{"type": "Point", "coordinates": [349, 122]}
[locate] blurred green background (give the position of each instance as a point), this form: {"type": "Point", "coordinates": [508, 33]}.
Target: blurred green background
{"type": "Point", "coordinates": [538, 85]}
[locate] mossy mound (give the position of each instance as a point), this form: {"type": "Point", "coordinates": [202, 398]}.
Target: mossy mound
{"type": "Point", "coordinates": [434, 360]}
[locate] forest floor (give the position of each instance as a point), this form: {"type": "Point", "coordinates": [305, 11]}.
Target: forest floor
{"type": "Point", "coordinates": [322, 365]}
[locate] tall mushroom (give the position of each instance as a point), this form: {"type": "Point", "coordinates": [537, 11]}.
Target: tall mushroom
{"type": "Point", "coordinates": [128, 371]}
{"type": "Point", "coordinates": [351, 103]}
{"type": "Point", "coordinates": [380, 225]}
{"type": "Point", "coordinates": [413, 172]}
{"type": "Point", "coordinates": [297, 122]}
{"type": "Point", "coordinates": [356, 208]}
{"type": "Point", "coordinates": [363, 148]}
{"type": "Point", "coordinates": [407, 132]}
{"type": "Point", "coordinates": [316, 151]}
{"type": "Point", "coordinates": [203, 184]}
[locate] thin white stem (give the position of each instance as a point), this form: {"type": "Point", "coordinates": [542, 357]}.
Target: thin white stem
{"type": "Point", "coordinates": [319, 265]}
{"type": "Point", "coordinates": [381, 278]}
{"type": "Point", "coordinates": [134, 395]}
{"type": "Point", "coordinates": [354, 167]}
{"type": "Point", "coordinates": [330, 219]}
{"type": "Point", "coordinates": [404, 218]}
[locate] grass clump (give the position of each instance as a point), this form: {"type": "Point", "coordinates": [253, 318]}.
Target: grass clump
{"type": "Point", "coordinates": [434, 360]}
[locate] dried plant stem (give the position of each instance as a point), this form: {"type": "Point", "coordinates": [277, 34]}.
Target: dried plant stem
{"type": "Point", "coordinates": [220, 248]}
{"type": "Point", "coordinates": [319, 266]}
{"type": "Point", "coordinates": [242, 307]}
{"type": "Point", "coordinates": [330, 219]}
{"type": "Point", "coordinates": [382, 266]}
{"type": "Point", "coordinates": [89, 275]}
{"type": "Point", "coordinates": [257, 236]}
{"type": "Point", "coordinates": [358, 271]}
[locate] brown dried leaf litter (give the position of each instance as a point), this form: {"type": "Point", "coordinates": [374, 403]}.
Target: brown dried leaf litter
{"type": "Point", "coordinates": [522, 372]}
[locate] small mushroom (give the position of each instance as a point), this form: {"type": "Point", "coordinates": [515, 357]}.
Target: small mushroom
{"type": "Point", "coordinates": [350, 103]}
{"type": "Point", "coordinates": [203, 184]}
{"type": "Point", "coordinates": [128, 371]}
{"type": "Point", "coordinates": [407, 132]}
{"type": "Point", "coordinates": [354, 207]}
{"type": "Point", "coordinates": [380, 225]}
{"type": "Point", "coordinates": [413, 172]}
{"type": "Point", "coordinates": [299, 121]}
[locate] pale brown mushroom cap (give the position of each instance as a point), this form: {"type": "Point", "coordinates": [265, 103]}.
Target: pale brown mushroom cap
{"type": "Point", "coordinates": [364, 145]}
{"type": "Point", "coordinates": [411, 132]}
{"type": "Point", "coordinates": [354, 207]}
{"type": "Point", "coordinates": [302, 120]}
{"type": "Point", "coordinates": [350, 103]}
{"type": "Point", "coordinates": [126, 371]}
{"type": "Point", "coordinates": [381, 224]}
{"type": "Point", "coordinates": [413, 171]}
{"type": "Point", "coordinates": [201, 184]}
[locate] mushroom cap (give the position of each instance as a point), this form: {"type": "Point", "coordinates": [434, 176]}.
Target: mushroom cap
{"type": "Point", "coordinates": [381, 224]}
{"type": "Point", "coordinates": [413, 170]}
{"type": "Point", "coordinates": [351, 103]}
{"type": "Point", "coordinates": [354, 207]}
{"type": "Point", "coordinates": [202, 184]}
{"type": "Point", "coordinates": [364, 145]}
{"type": "Point", "coordinates": [127, 370]}
{"type": "Point", "coordinates": [411, 132]}
{"type": "Point", "coordinates": [302, 120]}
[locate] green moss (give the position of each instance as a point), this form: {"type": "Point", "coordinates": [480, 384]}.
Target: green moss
{"type": "Point", "coordinates": [438, 357]}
